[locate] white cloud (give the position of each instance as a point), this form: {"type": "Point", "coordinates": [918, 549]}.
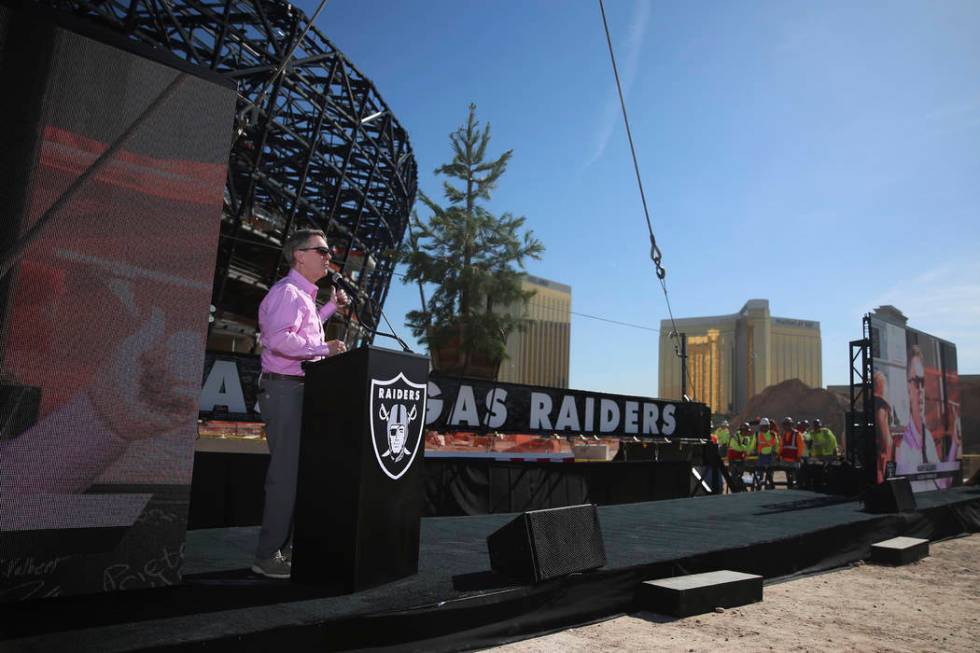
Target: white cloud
{"type": "Point", "coordinates": [627, 59]}
{"type": "Point", "coordinates": [944, 301]}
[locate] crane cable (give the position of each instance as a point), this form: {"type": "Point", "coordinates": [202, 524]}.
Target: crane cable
{"type": "Point", "coordinates": [655, 254]}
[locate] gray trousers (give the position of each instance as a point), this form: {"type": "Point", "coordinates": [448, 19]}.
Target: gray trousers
{"type": "Point", "coordinates": [281, 402]}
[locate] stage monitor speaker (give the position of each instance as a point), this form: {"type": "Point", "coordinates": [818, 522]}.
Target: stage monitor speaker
{"type": "Point", "coordinates": [114, 159]}
{"type": "Point", "coordinates": [894, 495]}
{"type": "Point", "coordinates": [543, 544]}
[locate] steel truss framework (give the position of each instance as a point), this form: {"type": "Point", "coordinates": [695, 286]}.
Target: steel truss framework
{"type": "Point", "coordinates": [861, 442]}
{"type": "Point", "coordinates": [315, 146]}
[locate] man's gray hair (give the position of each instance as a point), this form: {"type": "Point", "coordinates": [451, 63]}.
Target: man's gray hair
{"type": "Point", "coordinates": [298, 239]}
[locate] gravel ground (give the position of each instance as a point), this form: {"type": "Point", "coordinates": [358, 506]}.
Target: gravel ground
{"type": "Point", "coordinates": [930, 605]}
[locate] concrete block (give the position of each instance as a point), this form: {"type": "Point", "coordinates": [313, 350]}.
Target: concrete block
{"type": "Point", "coordinates": [899, 550]}
{"type": "Point", "coordinates": [683, 596]}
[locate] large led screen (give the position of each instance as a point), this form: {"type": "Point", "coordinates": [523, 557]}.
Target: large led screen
{"type": "Point", "coordinates": [916, 406]}
{"type": "Point", "coordinates": [114, 170]}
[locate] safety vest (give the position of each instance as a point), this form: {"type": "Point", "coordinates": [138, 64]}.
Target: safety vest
{"type": "Point", "coordinates": [738, 446]}
{"type": "Point", "coordinates": [722, 436]}
{"type": "Point", "coordinates": [823, 443]}
{"type": "Point", "coordinates": [791, 446]}
{"type": "Point", "coordinates": [767, 442]}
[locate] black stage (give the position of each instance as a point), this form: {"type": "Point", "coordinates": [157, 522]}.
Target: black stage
{"type": "Point", "coordinates": [455, 602]}
{"type": "Point", "coordinates": [228, 491]}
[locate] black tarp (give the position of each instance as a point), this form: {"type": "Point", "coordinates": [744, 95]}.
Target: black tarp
{"type": "Point", "coordinates": [227, 487]}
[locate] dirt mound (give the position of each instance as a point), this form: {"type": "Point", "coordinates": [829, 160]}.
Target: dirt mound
{"type": "Point", "coordinates": [796, 399]}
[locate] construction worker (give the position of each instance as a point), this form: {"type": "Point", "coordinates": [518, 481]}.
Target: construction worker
{"type": "Point", "coordinates": [823, 442]}
{"type": "Point", "coordinates": [803, 427]}
{"type": "Point", "coordinates": [738, 446]}
{"type": "Point", "coordinates": [751, 455]}
{"type": "Point", "coordinates": [767, 446]}
{"type": "Point", "coordinates": [791, 448]}
{"type": "Point", "coordinates": [722, 436]}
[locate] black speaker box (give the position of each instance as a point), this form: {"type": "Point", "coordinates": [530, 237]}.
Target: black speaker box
{"type": "Point", "coordinates": [543, 544]}
{"type": "Point", "coordinates": [894, 495]}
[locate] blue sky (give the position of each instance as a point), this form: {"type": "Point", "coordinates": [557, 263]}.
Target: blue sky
{"type": "Point", "coordinates": [825, 156]}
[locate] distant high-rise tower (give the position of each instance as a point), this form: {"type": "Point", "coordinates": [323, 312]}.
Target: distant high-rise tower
{"type": "Point", "coordinates": [731, 358]}
{"type": "Point", "coordinates": [539, 354]}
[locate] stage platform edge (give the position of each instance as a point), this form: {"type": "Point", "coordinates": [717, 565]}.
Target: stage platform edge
{"type": "Point", "coordinates": [774, 534]}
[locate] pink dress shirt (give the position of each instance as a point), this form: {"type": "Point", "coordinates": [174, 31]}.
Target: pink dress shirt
{"type": "Point", "coordinates": [291, 326]}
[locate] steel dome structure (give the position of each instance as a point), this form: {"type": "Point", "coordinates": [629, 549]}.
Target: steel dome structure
{"type": "Point", "coordinates": [315, 145]}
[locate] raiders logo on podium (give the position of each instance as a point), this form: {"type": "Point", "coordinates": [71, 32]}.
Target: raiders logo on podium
{"type": "Point", "coordinates": [397, 417]}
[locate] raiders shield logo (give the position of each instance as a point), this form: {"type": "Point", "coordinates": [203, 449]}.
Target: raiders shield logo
{"type": "Point", "coordinates": [397, 417]}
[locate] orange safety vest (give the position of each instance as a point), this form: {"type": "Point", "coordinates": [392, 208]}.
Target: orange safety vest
{"type": "Point", "coordinates": [767, 442]}
{"type": "Point", "coordinates": [791, 444]}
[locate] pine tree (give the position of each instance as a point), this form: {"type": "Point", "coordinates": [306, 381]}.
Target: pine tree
{"type": "Point", "coordinates": [474, 259]}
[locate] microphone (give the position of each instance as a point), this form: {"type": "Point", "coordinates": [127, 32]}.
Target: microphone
{"type": "Point", "coordinates": [341, 282]}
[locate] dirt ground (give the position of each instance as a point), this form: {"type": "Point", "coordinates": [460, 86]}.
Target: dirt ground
{"type": "Point", "coordinates": [930, 605]}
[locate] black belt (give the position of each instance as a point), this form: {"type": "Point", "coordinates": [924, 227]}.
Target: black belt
{"type": "Point", "coordinates": [284, 377]}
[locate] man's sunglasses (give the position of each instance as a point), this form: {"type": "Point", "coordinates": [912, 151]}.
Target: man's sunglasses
{"type": "Point", "coordinates": [322, 251]}
{"type": "Point", "coordinates": [918, 380]}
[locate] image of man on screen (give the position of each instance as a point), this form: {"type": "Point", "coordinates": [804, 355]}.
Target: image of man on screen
{"type": "Point", "coordinates": [291, 330]}
{"type": "Point", "coordinates": [916, 451]}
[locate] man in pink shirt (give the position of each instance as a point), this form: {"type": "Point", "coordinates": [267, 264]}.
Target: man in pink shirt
{"type": "Point", "coordinates": [291, 329]}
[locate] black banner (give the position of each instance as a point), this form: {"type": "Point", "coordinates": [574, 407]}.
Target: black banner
{"type": "Point", "coordinates": [456, 404]}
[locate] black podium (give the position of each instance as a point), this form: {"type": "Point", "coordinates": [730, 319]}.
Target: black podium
{"type": "Point", "coordinates": [360, 490]}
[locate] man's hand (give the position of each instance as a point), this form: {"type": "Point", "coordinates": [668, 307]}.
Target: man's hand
{"type": "Point", "coordinates": [148, 386]}
{"type": "Point", "coordinates": [335, 347]}
{"type": "Point", "coordinates": [339, 297]}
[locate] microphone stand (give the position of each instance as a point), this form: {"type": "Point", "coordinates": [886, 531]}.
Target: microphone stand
{"type": "Point", "coordinates": [354, 296]}
{"type": "Point", "coordinates": [394, 336]}
{"type": "Point", "coordinates": [401, 342]}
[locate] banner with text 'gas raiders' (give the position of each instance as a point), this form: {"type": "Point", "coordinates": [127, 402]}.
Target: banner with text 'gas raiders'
{"type": "Point", "coordinates": [456, 404]}
{"type": "Point", "coordinates": [229, 390]}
